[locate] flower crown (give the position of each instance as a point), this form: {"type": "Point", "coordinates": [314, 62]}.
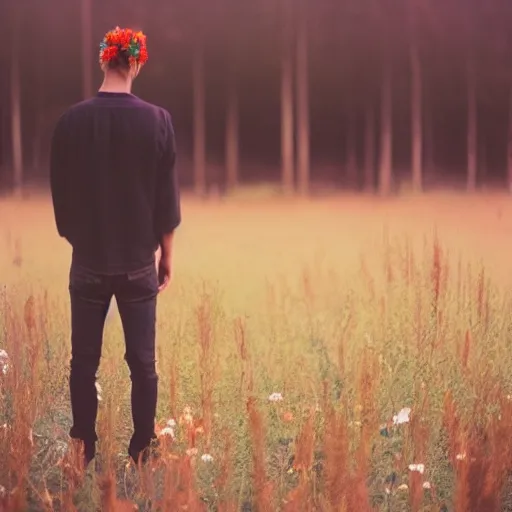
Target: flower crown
{"type": "Point", "coordinates": [119, 41]}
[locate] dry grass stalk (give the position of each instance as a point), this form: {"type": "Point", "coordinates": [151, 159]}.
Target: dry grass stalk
{"type": "Point", "coordinates": [435, 275]}
{"type": "Point", "coordinates": [109, 500]}
{"type": "Point", "coordinates": [336, 450]}
{"type": "Point", "coordinates": [246, 376]}
{"type": "Point", "coordinates": [263, 487]}
{"type": "Point", "coordinates": [206, 363]}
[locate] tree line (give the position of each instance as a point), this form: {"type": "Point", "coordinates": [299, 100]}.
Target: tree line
{"type": "Point", "coordinates": [368, 42]}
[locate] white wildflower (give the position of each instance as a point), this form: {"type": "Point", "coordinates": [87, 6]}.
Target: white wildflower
{"type": "Point", "coordinates": [206, 457]}
{"type": "Point", "coordinates": [275, 397]}
{"type": "Point", "coordinates": [167, 431]}
{"type": "Point", "coordinates": [420, 468]}
{"type": "Point", "coordinates": [402, 487]}
{"type": "Point", "coordinates": [427, 485]}
{"type": "Point", "coordinates": [402, 417]}
{"type": "Point", "coordinates": [461, 456]}
{"type": "Point", "coordinates": [4, 362]}
{"type": "Point", "coordinates": [171, 423]}
{"type": "Point", "coordinates": [98, 391]}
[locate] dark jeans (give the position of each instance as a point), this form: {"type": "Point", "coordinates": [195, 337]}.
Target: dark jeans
{"type": "Point", "coordinates": [91, 293]}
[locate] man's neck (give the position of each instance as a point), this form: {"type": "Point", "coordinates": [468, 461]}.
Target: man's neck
{"type": "Point", "coordinates": [114, 83]}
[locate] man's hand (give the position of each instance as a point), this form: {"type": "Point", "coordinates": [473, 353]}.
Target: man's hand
{"type": "Point", "coordinates": [164, 272]}
{"type": "Point", "coordinates": [164, 264]}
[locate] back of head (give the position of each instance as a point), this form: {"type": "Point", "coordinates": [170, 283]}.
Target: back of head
{"type": "Point", "coordinates": [123, 51]}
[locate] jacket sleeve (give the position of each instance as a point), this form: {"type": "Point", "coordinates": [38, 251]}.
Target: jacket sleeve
{"type": "Point", "coordinates": [59, 178]}
{"type": "Point", "coordinates": [167, 204]}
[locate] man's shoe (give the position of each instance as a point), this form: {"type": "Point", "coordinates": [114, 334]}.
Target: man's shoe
{"type": "Point", "coordinates": [144, 455]}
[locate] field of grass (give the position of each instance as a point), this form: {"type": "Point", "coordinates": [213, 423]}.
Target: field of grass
{"type": "Point", "coordinates": [337, 355]}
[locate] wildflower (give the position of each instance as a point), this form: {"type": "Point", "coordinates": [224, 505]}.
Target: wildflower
{"type": "Point", "coordinates": [420, 468]}
{"type": "Point", "coordinates": [427, 485]}
{"type": "Point", "coordinates": [4, 362]}
{"type": "Point", "coordinates": [402, 417]}
{"type": "Point", "coordinates": [275, 397]}
{"type": "Point", "coordinates": [461, 456]}
{"type": "Point", "coordinates": [171, 423]}
{"type": "Point", "coordinates": [402, 487]}
{"type": "Point", "coordinates": [98, 391]}
{"type": "Point", "coordinates": [166, 431]}
{"type": "Point", "coordinates": [288, 417]}
{"type": "Point", "coordinates": [206, 457]}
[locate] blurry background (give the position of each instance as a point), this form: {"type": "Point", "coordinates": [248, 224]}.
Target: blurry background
{"type": "Point", "coordinates": [353, 94]}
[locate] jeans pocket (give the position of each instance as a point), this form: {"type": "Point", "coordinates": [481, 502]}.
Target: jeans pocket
{"type": "Point", "coordinates": [141, 284]}
{"type": "Point", "coordinates": [141, 274]}
{"type": "Point", "coordinates": [79, 275]}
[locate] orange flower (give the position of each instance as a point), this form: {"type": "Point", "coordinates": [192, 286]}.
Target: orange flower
{"type": "Point", "coordinates": [288, 417]}
{"type": "Point", "coordinates": [109, 53]}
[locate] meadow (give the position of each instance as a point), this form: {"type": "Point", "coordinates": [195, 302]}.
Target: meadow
{"type": "Point", "coordinates": [344, 354]}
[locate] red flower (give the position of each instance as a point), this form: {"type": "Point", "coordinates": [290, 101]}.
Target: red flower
{"type": "Point", "coordinates": [143, 55]}
{"type": "Point", "coordinates": [124, 40]}
{"type": "Point", "coordinates": [110, 53]}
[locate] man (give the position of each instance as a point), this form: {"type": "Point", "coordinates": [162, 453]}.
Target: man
{"type": "Point", "coordinates": [116, 201]}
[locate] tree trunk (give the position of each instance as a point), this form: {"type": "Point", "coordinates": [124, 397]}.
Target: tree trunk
{"type": "Point", "coordinates": [369, 150]}
{"type": "Point", "coordinates": [351, 156]}
{"type": "Point", "coordinates": [232, 127]}
{"type": "Point", "coordinates": [482, 157]}
{"type": "Point", "coordinates": [199, 121]}
{"type": "Point", "coordinates": [509, 145]}
{"type": "Point", "coordinates": [287, 117]}
{"type": "Point", "coordinates": [17, 144]}
{"type": "Point", "coordinates": [472, 136]}
{"type": "Point", "coordinates": [430, 163]}
{"type": "Point", "coordinates": [386, 132]}
{"type": "Point", "coordinates": [303, 150]}
{"type": "Point", "coordinates": [86, 48]}
{"type": "Point", "coordinates": [416, 118]}
{"type": "Point", "coordinates": [39, 116]}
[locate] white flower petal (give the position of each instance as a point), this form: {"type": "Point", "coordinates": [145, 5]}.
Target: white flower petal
{"type": "Point", "coordinates": [206, 457]}
{"type": "Point", "coordinates": [420, 468]}
{"type": "Point", "coordinates": [167, 431]}
{"type": "Point", "coordinates": [402, 417]}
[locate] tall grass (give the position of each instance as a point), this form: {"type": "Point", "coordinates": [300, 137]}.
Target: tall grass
{"type": "Point", "coordinates": [385, 389]}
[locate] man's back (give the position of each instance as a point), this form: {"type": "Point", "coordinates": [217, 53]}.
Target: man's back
{"type": "Point", "coordinates": [113, 180]}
